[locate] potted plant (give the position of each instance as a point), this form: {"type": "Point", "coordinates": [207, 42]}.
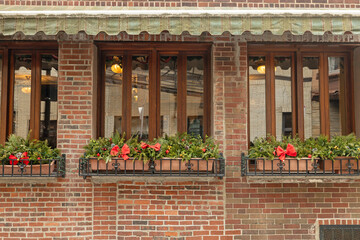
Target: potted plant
{"type": "Point", "coordinates": [28, 156]}
{"type": "Point", "coordinates": [321, 153]}
{"type": "Point", "coordinates": [187, 152]}
{"type": "Point", "coordinates": [114, 153]}
{"type": "Point", "coordinates": [181, 152]}
{"type": "Point", "coordinates": [289, 154]}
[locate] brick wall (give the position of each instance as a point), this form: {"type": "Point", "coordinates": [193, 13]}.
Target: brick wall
{"type": "Point", "coordinates": [112, 208]}
{"type": "Point", "coordinates": [191, 3]}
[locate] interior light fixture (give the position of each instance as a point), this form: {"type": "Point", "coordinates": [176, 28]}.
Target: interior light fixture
{"type": "Point", "coordinates": [26, 89]}
{"type": "Point", "coordinates": [116, 68]}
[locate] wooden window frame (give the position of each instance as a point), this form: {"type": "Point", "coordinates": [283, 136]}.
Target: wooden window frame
{"type": "Point", "coordinates": [297, 52]}
{"type": "Point", "coordinates": [154, 51]}
{"type": "Point", "coordinates": [9, 50]}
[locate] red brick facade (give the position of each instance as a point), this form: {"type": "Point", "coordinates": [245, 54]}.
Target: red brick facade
{"type": "Point", "coordinates": [168, 208]}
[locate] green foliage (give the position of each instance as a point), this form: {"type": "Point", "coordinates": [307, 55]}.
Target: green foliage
{"type": "Point", "coordinates": [35, 149]}
{"type": "Point", "coordinates": [184, 146]}
{"type": "Point", "coordinates": [320, 147]}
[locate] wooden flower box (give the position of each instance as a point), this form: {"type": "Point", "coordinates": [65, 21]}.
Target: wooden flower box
{"type": "Point", "coordinates": [29, 169]}
{"type": "Point", "coordinates": [100, 165]}
{"type": "Point", "coordinates": [302, 165]}
{"type": "Point", "coordinates": [176, 165]}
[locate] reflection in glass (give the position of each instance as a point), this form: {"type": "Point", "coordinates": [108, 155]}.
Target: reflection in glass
{"type": "Point", "coordinates": [168, 95]}
{"type": "Point", "coordinates": [336, 75]}
{"type": "Point", "coordinates": [311, 96]}
{"type": "Point", "coordinates": [113, 94]}
{"type": "Point", "coordinates": [283, 100]}
{"type": "Point", "coordinates": [140, 97]}
{"type": "Point", "coordinates": [22, 92]}
{"type": "Point", "coordinates": [195, 95]}
{"type": "Point", "coordinates": [49, 107]}
{"type": "Point", "coordinates": [257, 97]}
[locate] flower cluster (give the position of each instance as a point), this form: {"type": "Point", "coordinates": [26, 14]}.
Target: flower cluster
{"type": "Point", "coordinates": [184, 146]}
{"type": "Point", "coordinates": [23, 150]}
{"type": "Point", "coordinates": [321, 147]}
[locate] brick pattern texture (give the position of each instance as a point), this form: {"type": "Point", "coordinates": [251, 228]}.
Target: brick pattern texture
{"type": "Point", "coordinates": [166, 209]}
{"type": "Point", "coordinates": [191, 3]}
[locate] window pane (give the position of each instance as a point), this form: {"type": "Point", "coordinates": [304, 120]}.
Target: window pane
{"type": "Point", "coordinates": [49, 107]}
{"type": "Point", "coordinates": [257, 97]}
{"type": "Point", "coordinates": [113, 94]}
{"type": "Point", "coordinates": [195, 95]}
{"type": "Point", "coordinates": [336, 75]}
{"type": "Point", "coordinates": [140, 97]}
{"type": "Point", "coordinates": [283, 99]}
{"type": "Point", "coordinates": [168, 95]}
{"type": "Point", "coordinates": [311, 96]}
{"type": "Point", "coordinates": [22, 91]}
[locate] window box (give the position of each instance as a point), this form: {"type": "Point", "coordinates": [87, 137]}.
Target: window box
{"type": "Point", "coordinates": [340, 166]}
{"type": "Point", "coordinates": [195, 164]}
{"type": "Point", "coordinates": [292, 164]}
{"type": "Point", "coordinates": [162, 167]}
{"type": "Point", "coordinates": [119, 164]}
{"type": "Point", "coordinates": [46, 168]}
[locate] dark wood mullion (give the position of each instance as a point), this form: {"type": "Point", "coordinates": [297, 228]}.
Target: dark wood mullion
{"type": "Point", "coordinates": [11, 94]}
{"type": "Point", "coordinates": [181, 99]}
{"type": "Point", "coordinates": [36, 95]}
{"type": "Point", "coordinates": [349, 93]}
{"type": "Point", "coordinates": [126, 100]}
{"type": "Point", "coordinates": [4, 96]}
{"type": "Point", "coordinates": [100, 97]}
{"type": "Point", "coordinates": [293, 96]}
{"type": "Point", "coordinates": [272, 95]}
{"type": "Point", "coordinates": [207, 95]}
{"type": "Point", "coordinates": [324, 96]}
{"type": "Point", "coordinates": [269, 101]}
{"type": "Point", "coordinates": [153, 96]}
{"type": "Point", "coordinates": [300, 95]}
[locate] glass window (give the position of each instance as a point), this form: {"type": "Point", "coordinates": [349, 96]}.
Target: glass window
{"type": "Point", "coordinates": [113, 94]}
{"type": "Point", "coordinates": [49, 103]}
{"type": "Point", "coordinates": [160, 104]}
{"type": "Point", "coordinates": [168, 94]}
{"type": "Point", "coordinates": [257, 97]}
{"type": "Point", "coordinates": [311, 98]}
{"type": "Point", "coordinates": [195, 95]}
{"type": "Point", "coordinates": [283, 97]}
{"type": "Point", "coordinates": [140, 97]}
{"type": "Point", "coordinates": [336, 75]}
{"type": "Point", "coordinates": [22, 95]}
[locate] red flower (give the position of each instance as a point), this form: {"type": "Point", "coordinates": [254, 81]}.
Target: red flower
{"type": "Point", "coordinates": [98, 154]}
{"type": "Point", "coordinates": [38, 158]}
{"type": "Point", "coordinates": [309, 156]}
{"type": "Point", "coordinates": [13, 160]}
{"type": "Point", "coordinates": [25, 158]}
{"type": "Point", "coordinates": [204, 149]}
{"type": "Point", "coordinates": [124, 151]}
{"type": "Point", "coordinates": [157, 147]}
{"type": "Point", "coordinates": [115, 151]}
{"type": "Point", "coordinates": [167, 151]}
{"type": "Point", "coordinates": [144, 145]}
